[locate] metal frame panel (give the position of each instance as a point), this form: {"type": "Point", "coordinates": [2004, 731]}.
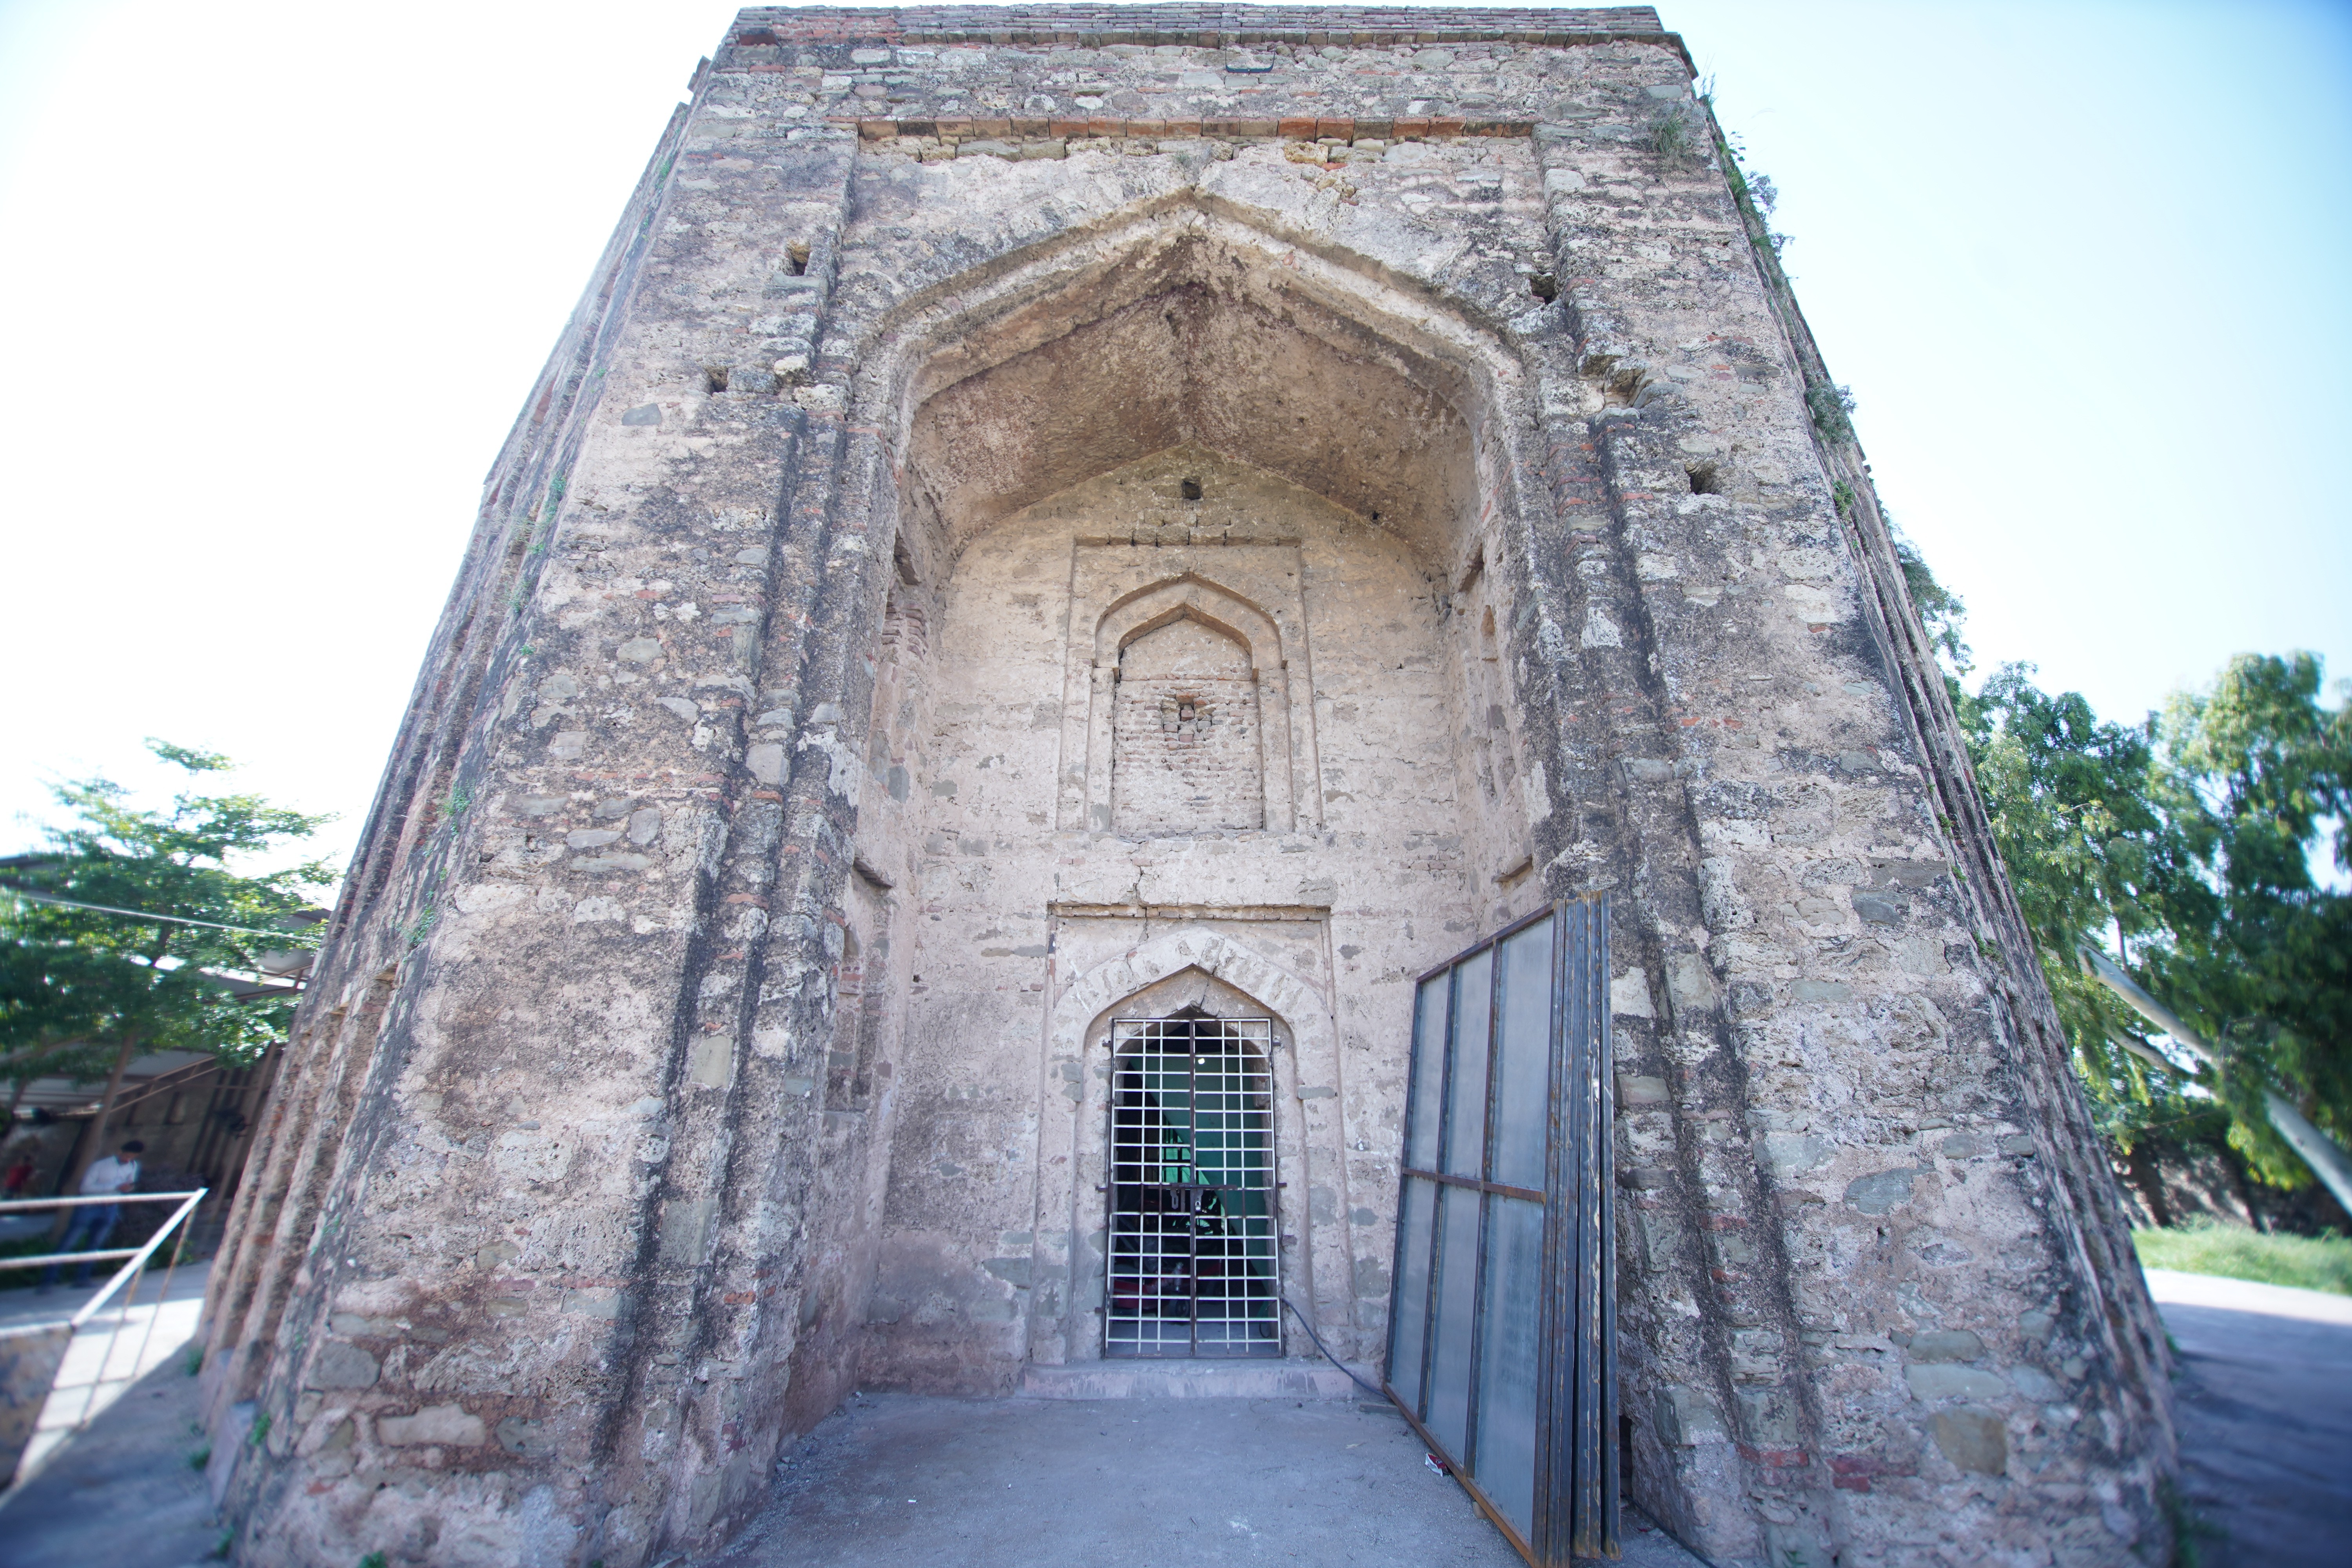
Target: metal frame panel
{"type": "Point", "coordinates": [1576, 1503]}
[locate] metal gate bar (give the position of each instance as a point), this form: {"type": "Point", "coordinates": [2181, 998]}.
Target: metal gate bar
{"type": "Point", "coordinates": [1194, 1264]}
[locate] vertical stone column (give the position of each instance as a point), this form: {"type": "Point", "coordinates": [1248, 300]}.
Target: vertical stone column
{"type": "Point", "coordinates": [551, 1276]}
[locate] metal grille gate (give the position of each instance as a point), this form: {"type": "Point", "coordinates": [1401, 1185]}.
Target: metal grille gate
{"type": "Point", "coordinates": [1503, 1328]}
{"type": "Point", "coordinates": [1194, 1268]}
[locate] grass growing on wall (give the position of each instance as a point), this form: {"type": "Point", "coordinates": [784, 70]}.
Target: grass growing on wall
{"type": "Point", "coordinates": [2323, 1263]}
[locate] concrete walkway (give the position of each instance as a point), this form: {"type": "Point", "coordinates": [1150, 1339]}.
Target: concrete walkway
{"type": "Point", "coordinates": [126, 1341]}
{"type": "Point", "coordinates": [2264, 1397]}
{"type": "Point", "coordinates": [108, 1478]}
{"type": "Point", "coordinates": [2265, 1402]}
{"type": "Point", "coordinates": [1124, 1483]}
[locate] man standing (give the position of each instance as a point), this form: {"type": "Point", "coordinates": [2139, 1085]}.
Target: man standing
{"type": "Point", "coordinates": [88, 1229]}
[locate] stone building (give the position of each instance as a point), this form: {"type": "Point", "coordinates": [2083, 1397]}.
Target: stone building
{"type": "Point", "coordinates": [1054, 519]}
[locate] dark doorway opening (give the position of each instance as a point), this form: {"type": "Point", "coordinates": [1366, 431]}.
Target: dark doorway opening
{"type": "Point", "coordinates": [1194, 1258]}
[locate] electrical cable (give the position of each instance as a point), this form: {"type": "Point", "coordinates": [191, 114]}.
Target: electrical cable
{"type": "Point", "coordinates": [1381, 1395]}
{"type": "Point", "coordinates": [137, 914]}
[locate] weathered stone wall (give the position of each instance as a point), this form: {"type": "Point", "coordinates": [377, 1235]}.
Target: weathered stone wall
{"type": "Point", "coordinates": [994, 1213]}
{"type": "Point", "coordinates": [715, 1017]}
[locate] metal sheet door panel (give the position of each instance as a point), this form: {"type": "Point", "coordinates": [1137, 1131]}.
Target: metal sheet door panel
{"type": "Point", "coordinates": [1503, 1326]}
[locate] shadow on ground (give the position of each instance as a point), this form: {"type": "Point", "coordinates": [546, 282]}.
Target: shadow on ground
{"type": "Point", "coordinates": [1125, 1483]}
{"type": "Point", "coordinates": [2264, 1405]}
{"type": "Point", "coordinates": [122, 1493]}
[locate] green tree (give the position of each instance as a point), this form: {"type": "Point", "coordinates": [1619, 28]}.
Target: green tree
{"type": "Point", "coordinates": [2093, 859]}
{"type": "Point", "coordinates": [2185, 846]}
{"type": "Point", "coordinates": [2256, 774]}
{"type": "Point", "coordinates": [83, 990]}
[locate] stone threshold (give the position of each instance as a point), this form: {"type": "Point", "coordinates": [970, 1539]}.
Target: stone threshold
{"type": "Point", "coordinates": [1290, 1378]}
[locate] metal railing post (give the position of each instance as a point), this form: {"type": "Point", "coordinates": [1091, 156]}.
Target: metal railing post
{"type": "Point", "coordinates": [175, 1228]}
{"type": "Point", "coordinates": [2321, 1152]}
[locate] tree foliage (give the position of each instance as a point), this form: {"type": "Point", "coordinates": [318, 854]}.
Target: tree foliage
{"type": "Point", "coordinates": [77, 982]}
{"type": "Point", "coordinates": [2184, 846]}
{"type": "Point", "coordinates": [2256, 775]}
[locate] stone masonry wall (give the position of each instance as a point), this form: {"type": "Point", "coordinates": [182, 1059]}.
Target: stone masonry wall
{"type": "Point", "coordinates": [1184, 748]}
{"type": "Point", "coordinates": [981, 1226]}
{"type": "Point", "coordinates": [782, 663]}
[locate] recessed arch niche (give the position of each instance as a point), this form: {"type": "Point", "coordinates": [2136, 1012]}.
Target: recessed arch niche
{"type": "Point", "coordinates": [1177, 490]}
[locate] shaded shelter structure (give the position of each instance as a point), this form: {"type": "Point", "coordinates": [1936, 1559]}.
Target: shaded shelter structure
{"type": "Point", "coordinates": [1071, 557]}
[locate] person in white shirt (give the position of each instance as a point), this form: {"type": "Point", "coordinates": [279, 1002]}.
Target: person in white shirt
{"type": "Point", "coordinates": [91, 1223]}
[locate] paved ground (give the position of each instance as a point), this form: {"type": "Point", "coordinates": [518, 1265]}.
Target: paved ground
{"type": "Point", "coordinates": [2265, 1401]}
{"type": "Point", "coordinates": [127, 1338]}
{"type": "Point", "coordinates": [119, 1490]}
{"type": "Point", "coordinates": [2265, 1408]}
{"type": "Point", "coordinates": [122, 1494]}
{"type": "Point", "coordinates": [1123, 1483]}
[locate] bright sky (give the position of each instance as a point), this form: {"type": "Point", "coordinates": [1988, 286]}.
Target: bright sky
{"type": "Point", "coordinates": [280, 276]}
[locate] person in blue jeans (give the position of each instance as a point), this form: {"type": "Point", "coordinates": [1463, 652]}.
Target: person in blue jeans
{"type": "Point", "coordinates": [91, 1224]}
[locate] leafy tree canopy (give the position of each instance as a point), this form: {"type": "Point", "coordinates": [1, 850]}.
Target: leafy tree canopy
{"type": "Point", "coordinates": [2184, 846]}
{"type": "Point", "coordinates": [78, 984]}
{"type": "Point", "coordinates": [2256, 776]}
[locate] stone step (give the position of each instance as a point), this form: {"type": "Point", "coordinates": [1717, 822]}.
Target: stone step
{"type": "Point", "coordinates": [1289, 1378]}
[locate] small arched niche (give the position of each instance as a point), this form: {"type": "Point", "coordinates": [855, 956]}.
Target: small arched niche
{"type": "Point", "coordinates": [1188, 725]}
{"type": "Point", "coordinates": [1184, 731]}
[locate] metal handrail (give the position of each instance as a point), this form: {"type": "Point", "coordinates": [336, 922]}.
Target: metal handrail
{"type": "Point", "coordinates": [15, 1206]}
{"type": "Point", "coordinates": [136, 1262]}
{"type": "Point", "coordinates": [137, 1256]}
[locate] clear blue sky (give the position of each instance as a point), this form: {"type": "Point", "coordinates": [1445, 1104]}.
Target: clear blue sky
{"type": "Point", "coordinates": [281, 274]}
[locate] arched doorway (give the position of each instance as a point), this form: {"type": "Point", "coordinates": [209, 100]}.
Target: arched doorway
{"type": "Point", "coordinates": [1194, 1258]}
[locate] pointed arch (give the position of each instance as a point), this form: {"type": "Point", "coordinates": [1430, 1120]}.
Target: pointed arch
{"type": "Point", "coordinates": [1284, 722]}
{"type": "Point", "coordinates": [1307, 1124]}
{"type": "Point", "coordinates": [1190, 595]}
{"type": "Point", "coordinates": [1295, 1001]}
{"type": "Point", "coordinates": [1410, 431]}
